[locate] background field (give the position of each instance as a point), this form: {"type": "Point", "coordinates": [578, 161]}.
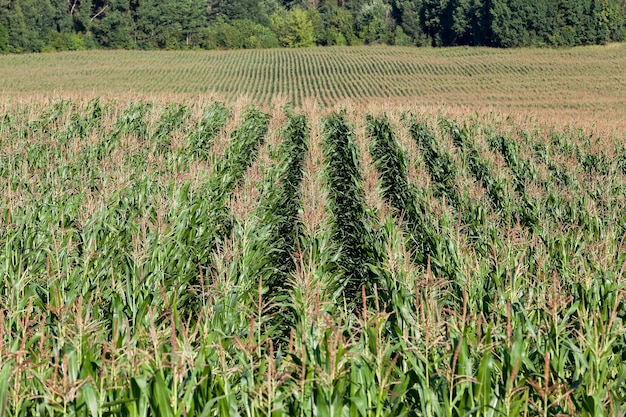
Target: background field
{"type": "Point", "coordinates": [586, 85]}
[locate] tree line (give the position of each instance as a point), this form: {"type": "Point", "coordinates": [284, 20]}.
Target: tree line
{"type": "Point", "coordinates": [52, 25]}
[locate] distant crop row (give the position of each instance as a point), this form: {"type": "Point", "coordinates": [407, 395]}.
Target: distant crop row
{"type": "Point", "coordinates": [491, 283]}
{"type": "Point", "coordinates": [584, 81]}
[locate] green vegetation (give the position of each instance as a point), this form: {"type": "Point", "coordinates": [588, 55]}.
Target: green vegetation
{"type": "Point", "coordinates": [54, 25]}
{"type": "Point", "coordinates": [490, 280]}
{"type": "Point", "coordinates": [351, 233]}
{"type": "Point", "coordinates": [282, 204]}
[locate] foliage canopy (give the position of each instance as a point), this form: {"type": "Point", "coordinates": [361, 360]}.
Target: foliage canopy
{"type": "Point", "coordinates": [45, 25]}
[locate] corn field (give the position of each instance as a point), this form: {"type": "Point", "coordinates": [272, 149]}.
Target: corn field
{"type": "Point", "coordinates": [581, 85]}
{"type": "Point", "coordinates": [202, 259]}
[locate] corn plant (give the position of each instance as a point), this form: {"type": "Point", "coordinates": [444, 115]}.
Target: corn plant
{"type": "Point", "coordinates": [438, 162]}
{"type": "Point", "coordinates": [478, 167]}
{"type": "Point", "coordinates": [199, 142]}
{"type": "Point", "coordinates": [431, 246]}
{"type": "Point", "coordinates": [390, 162]}
{"type": "Point", "coordinates": [522, 173]}
{"type": "Point", "coordinates": [131, 121]}
{"type": "Point", "coordinates": [621, 160]}
{"type": "Point", "coordinates": [82, 124]}
{"type": "Point", "coordinates": [173, 119]}
{"type": "Point", "coordinates": [351, 229]}
{"type": "Point", "coordinates": [202, 219]}
{"type": "Point", "coordinates": [281, 204]}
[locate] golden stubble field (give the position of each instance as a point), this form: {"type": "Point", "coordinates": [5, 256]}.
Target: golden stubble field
{"type": "Point", "coordinates": [584, 87]}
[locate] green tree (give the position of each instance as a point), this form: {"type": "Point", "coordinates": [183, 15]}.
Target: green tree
{"type": "Point", "coordinates": [24, 26]}
{"type": "Point", "coordinates": [169, 24]}
{"type": "Point", "coordinates": [314, 16]}
{"type": "Point", "coordinates": [610, 19]}
{"type": "Point", "coordinates": [81, 13]}
{"type": "Point", "coordinates": [468, 22]}
{"type": "Point", "coordinates": [338, 24]}
{"type": "Point", "coordinates": [253, 35]}
{"type": "Point", "coordinates": [436, 16]}
{"type": "Point", "coordinates": [506, 27]}
{"type": "Point", "coordinates": [269, 7]}
{"type": "Point", "coordinates": [114, 26]}
{"type": "Point", "coordinates": [461, 21]}
{"type": "Point", "coordinates": [242, 33]}
{"type": "Point", "coordinates": [58, 17]}
{"type": "Point", "coordinates": [293, 29]}
{"type": "Point", "coordinates": [406, 14]}
{"type": "Point", "coordinates": [4, 39]}
{"type": "Point", "coordinates": [568, 22]}
{"type": "Point", "coordinates": [147, 33]}
{"type": "Point", "coordinates": [231, 10]}
{"type": "Point", "coordinates": [401, 38]}
{"type": "Point", "coordinates": [373, 22]}
{"type": "Point", "coordinates": [221, 35]}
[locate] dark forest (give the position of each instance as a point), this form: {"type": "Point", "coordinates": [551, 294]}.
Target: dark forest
{"type": "Point", "coordinates": [55, 25]}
